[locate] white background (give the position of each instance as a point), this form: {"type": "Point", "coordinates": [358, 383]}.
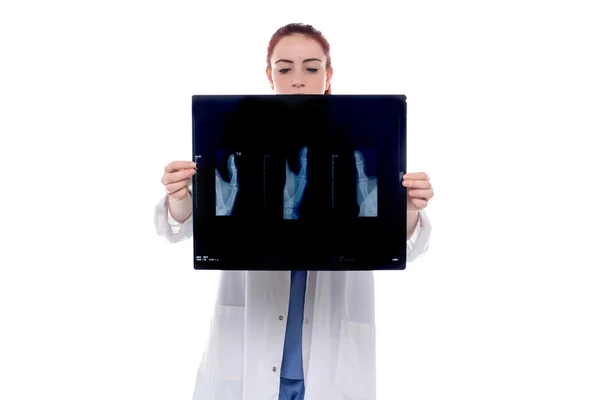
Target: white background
{"type": "Point", "coordinates": [503, 115]}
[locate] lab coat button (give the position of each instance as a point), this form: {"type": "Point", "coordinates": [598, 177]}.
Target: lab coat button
{"type": "Point", "coordinates": [306, 321]}
{"type": "Point", "coordinates": [281, 317]}
{"type": "Point", "coordinates": [274, 369]}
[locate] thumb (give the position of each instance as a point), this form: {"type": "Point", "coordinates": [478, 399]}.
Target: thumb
{"type": "Point", "coordinates": [359, 160]}
{"type": "Point", "coordinates": [232, 170]}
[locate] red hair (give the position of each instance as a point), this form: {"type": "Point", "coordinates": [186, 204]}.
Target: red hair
{"type": "Point", "coordinates": [304, 30]}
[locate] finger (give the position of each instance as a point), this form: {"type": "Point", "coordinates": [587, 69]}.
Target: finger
{"type": "Point", "coordinates": [232, 170]}
{"type": "Point", "coordinates": [417, 184]}
{"type": "Point", "coordinates": [416, 176]}
{"type": "Point", "coordinates": [359, 160]}
{"type": "Point", "coordinates": [179, 194]}
{"type": "Point", "coordinates": [177, 176]}
{"type": "Point", "coordinates": [422, 194]}
{"type": "Point", "coordinates": [303, 162]}
{"type": "Point", "coordinates": [419, 203]}
{"type": "Point", "coordinates": [178, 165]}
{"type": "Point", "coordinates": [174, 187]}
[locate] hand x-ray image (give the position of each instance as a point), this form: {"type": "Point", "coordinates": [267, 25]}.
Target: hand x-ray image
{"type": "Point", "coordinates": [366, 191]}
{"type": "Point", "coordinates": [295, 183]}
{"type": "Point", "coordinates": [299, 182]}
{"type": "Point", "coordinates": [226, 189]}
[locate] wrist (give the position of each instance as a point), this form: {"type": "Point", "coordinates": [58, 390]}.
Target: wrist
{"type": "Point", "coordinates": [180, 209]}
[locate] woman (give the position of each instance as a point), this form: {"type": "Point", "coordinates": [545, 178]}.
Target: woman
{"type": "Point", "coordinates": [280, 334]}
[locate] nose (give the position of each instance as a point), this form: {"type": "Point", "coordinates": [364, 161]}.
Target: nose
{"type": "Point", "coordinates": [298, 81]}
{"type": "Point", "coordinates": [298, 84]}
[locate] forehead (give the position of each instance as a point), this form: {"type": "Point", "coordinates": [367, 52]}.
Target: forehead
{"type": "Point", "coordinates": [297, 48]}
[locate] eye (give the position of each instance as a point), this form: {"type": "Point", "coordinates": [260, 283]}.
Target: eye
{"type": "Point", "coordinates": [284, 70]}
{"type": "Point", "coordinates": [312, 70]}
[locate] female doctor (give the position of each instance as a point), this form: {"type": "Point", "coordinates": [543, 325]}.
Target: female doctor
{"type": "Point", "coordinates": [290, 335]}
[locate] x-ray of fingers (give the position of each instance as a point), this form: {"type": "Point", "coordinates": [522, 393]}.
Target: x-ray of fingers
{"type": "Point", "coordinates": [226, 186]}
{"type": "Point", "coordinates": [295, 184]}
{"type": "Point", "coordinates": [366, 182]}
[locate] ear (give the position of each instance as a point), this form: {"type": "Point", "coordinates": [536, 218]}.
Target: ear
{"type": "Point", "coordinates": [328, 78]}
{"type": "Point", "coordinates": [270, 78]}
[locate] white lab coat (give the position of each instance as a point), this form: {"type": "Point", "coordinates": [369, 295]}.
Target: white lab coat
{"type": "Point", "coordinates": [242, 358]}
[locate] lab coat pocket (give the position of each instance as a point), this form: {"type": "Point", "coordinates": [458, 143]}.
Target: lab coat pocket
{"type": "Point", "coordinates": [225, 351]}
{"type": "Point", "coordinates": [355, 371]}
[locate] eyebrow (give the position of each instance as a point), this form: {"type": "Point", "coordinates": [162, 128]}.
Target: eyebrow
{"type": "Point", "coordinates": [305, 61]}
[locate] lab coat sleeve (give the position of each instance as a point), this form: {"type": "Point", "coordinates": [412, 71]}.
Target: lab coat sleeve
{"type": "Point", "coordinates": [418, 244]}
{"type": "Point", "coordinates": [167, 227]}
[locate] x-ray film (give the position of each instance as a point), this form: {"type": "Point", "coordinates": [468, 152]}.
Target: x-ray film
{"type": "Point", "coordinates": [308, 182]}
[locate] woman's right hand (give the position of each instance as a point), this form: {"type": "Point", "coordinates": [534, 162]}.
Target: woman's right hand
{"type": "Point", "coordinates": [177, 179]}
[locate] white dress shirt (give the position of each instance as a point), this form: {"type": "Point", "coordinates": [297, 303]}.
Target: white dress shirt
{"type": "Point", "coordinates": [243, 355]}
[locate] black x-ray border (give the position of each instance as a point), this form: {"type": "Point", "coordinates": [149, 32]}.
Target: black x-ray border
{"type": "Point", "coordinates": [261, 132]}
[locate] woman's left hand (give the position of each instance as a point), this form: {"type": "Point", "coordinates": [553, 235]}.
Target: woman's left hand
{"type": "Point", "coordinates": [419, 190]}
